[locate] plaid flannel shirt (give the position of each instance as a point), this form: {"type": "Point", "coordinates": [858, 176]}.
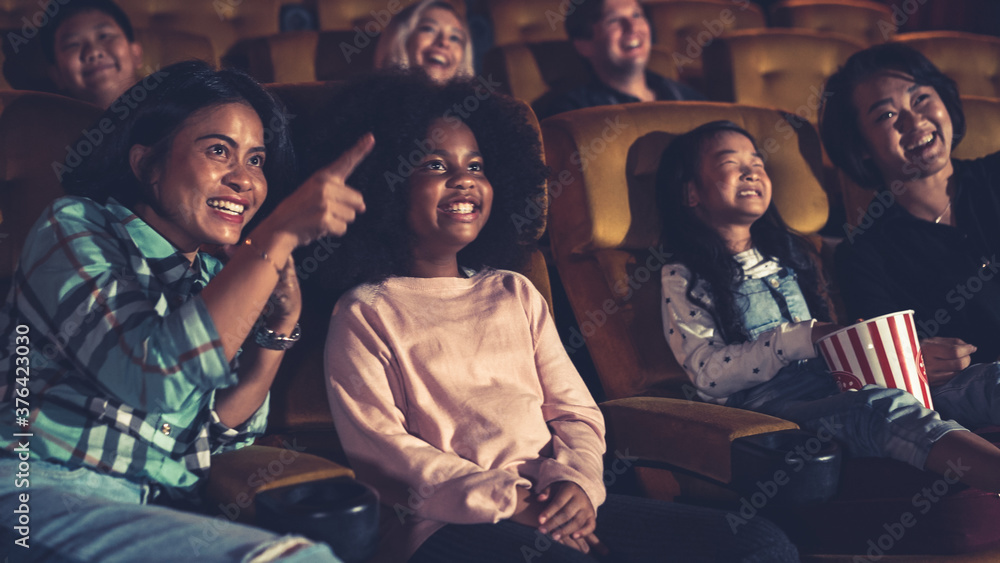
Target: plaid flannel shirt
{"type": "Point", "coordinates": [124, 357]}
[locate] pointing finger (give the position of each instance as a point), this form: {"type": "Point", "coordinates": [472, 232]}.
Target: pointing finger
{"type": "Point", "coordinates": [345, 165]}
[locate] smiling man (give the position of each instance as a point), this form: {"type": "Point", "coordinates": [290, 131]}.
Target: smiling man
{"type": "Point", "coordinates": [614, 38]}
{"type": "Point", "coordinates": [92, 52]}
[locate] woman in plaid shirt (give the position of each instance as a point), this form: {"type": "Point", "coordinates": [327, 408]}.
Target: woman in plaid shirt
{"type": "Point", "coordinates": [129, 380]}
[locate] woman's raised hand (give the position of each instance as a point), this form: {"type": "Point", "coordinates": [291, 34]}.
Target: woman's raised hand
{"type": "Point", "coordinates": [323, 205]}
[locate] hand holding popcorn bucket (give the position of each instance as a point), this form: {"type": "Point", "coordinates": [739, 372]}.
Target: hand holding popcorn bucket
{"type": "Point", "coordinates": [883, 351]}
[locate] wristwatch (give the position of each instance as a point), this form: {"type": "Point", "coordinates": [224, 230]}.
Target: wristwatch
{"type": "Point", "coordinates": [267, 338]}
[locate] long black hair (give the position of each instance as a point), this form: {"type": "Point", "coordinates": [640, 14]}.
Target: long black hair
{"type": "Point", "coordinates": [703, 250]}
{"type": "Point", "coordinates": [168, 98]}
{"type": "Point", "coordinates": [398, 107]}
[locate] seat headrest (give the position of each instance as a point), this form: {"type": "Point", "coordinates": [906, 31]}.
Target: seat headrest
{"type": "Point", "coordinates": [604, 162]}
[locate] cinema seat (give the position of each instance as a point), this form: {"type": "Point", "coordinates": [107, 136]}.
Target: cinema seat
{"type": "Point", "coordinates": [344, 15]}
{"type": "Point", "coordinates": [685, 27]}
{"type": "Point", "coordinates": [304, 56]}
{"type": "Point", "coordinates": [224, 22]}
{"type": "Point", "coordinates": [12, 12]}
{"type": "Point", "coordinates": [866, 21]}
{"type": "Point", "coordinates": [38, 137]}
{"type": "Point", "coordinates": [527, 21]}
{"type": "Point", "coordinates": [783, 68]}
{"type": "Point", "coordinates": [162, 47]}
{"type": "Point", "coordinates": [971, 60]}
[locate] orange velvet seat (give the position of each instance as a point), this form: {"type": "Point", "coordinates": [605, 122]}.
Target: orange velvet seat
{"type": "Point", "coordinates": [866, 21]}
{"type": "Point", "coordinates": [224, 22]}
{"type": "Point", "coordinates": [38, 141]}
{"type": "Point", "coordinates": [305, 56]}
{"type": "Point", "coordinates": [684, 28]}
{"type": "Point", "coordinates": [162, 47]}
{"type": "Point", "coordinates": [527, 21]}
{"type": "Point", "coordinates": [343, 15]}
{"type": "Point", "coordinates": [971, 60]}
{"type": "Point", "coordinates": [784, 68]}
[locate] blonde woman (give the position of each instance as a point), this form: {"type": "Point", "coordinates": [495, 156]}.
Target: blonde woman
{"type": "Point", "coordinates": [431, 35]}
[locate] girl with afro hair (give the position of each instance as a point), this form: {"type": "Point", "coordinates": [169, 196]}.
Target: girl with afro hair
{"type": "Point", "coordinates": [452, 394]}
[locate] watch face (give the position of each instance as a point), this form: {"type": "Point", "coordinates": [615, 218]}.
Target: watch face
{"type": "Point", "coordinates": [267, 338]}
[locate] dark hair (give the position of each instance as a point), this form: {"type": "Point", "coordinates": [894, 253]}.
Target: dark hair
{"type": "Point", "coordinates": [398, 108]}
{"type": "Point", "coordinates": [839, 118]}
{"type": "Point", "coordinates": [66, 10]}
{"type": "Point", "coordinates": [700, 248]}
{"type": "Point", "coordinates": [581, 20]}
{"type": "Point", "coordinates": [172, 95]}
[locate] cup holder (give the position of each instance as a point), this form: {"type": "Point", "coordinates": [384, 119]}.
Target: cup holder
{"type": "Point", "coordinates": [791, 467]}
{"type": "Point", "coordinates": [342, 512]}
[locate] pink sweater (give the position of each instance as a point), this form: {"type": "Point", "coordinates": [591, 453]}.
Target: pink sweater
{"type": "Point", "coordinates": [448, 393]}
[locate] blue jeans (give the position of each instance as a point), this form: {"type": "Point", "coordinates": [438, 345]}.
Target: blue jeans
{"type": "Point", "coordinates": [874, 421]}
{"type": "Point", "coordinates": [82, 515]}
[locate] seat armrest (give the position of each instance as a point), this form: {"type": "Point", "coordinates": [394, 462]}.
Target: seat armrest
{"type": "Point", "coordinates": [693, 436]}
{"type": "Point", "coordinates": [237, 476]}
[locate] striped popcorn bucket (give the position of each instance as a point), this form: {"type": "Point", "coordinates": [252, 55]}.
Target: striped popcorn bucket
{"type": "Point", "coordinates": [883, 351]}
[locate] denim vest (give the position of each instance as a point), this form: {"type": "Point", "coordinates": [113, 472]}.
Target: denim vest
{"type": "Point", "coordinates": [766, 302]}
